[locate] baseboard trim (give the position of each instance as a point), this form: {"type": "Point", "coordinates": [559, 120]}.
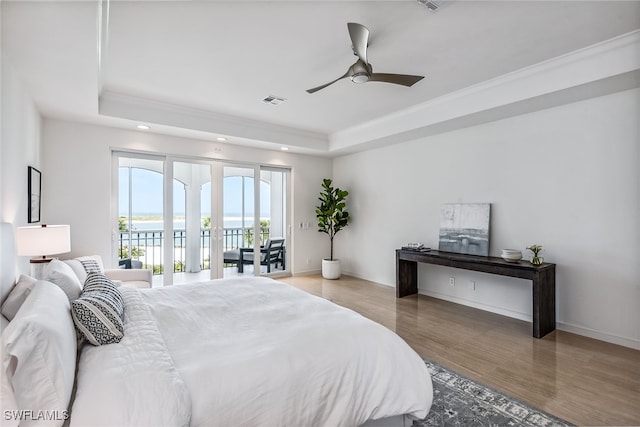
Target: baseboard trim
{"type": "Point", "coordinates": [306, 273]}
{"type": "Point", "coordinates": [493, 309]}
{"type": "Point", "coordinates": [561, 326]}
{"type": "Point", "coordinates": [597, 335]}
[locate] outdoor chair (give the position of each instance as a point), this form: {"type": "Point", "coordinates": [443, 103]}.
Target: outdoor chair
{"type": "Point", "coordinates": [272, 253]}
{"type": "Point", "coordinates": [128, 263]}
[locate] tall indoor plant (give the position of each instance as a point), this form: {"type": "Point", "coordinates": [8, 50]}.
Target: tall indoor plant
{"type": "Point", "coordinates": [332, 217]}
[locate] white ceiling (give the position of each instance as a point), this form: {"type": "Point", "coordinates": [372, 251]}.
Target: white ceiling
{"type": "Point", "coordinates": [201, 68]}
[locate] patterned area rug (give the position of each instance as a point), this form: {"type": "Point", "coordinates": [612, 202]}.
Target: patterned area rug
{"type": "Point", "coordinates": [459, 401]}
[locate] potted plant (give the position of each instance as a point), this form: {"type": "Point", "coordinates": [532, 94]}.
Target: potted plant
{"type": "Point", "coordinates": [332, 217]}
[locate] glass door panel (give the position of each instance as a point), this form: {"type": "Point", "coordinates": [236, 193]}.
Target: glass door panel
{"type": "Point", "coordinates": [273, 219]}
{"type": "Point", "coordinates": [192, 220]}
{"type": "Point", "coordinates": [140, 214]}
{"type": "Point", "coordinates": [239, 220]}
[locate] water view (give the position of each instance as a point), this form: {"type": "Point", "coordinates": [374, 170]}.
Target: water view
{"type": "Point", "coordinates": [145, 240]}
{"type": "Point", "coordinates": [179, 224]}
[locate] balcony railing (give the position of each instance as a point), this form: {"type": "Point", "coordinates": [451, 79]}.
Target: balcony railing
{"type": "Point", "coordinates": [147, 246]}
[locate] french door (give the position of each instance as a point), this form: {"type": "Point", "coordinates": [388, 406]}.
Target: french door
{"type": "Point", "coordinates": [197, 219]}
{"type": "Point", "coordinates": [254, 220]}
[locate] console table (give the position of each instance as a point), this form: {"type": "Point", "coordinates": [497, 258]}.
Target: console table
{"type": "Point", "coordinates": [543, 278]}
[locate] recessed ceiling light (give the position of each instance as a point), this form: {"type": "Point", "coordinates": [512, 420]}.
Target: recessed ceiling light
{"type": "Point", "coordinates": [284, 148]}
{"type": "Point", "coordinates": [221, 139]}
{"type": "Point", "coordinates": [143, 127]}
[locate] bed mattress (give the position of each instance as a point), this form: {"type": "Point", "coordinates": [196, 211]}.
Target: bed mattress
{"type": "Point", "coordinates": [247, 352]}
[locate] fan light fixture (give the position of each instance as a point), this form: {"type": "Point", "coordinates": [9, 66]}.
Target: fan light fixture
{"type": "Point", "coordinates": [360, 78]}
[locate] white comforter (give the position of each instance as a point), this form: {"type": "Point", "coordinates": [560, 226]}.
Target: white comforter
{"type": "Point", "coordinates": [246, 352]}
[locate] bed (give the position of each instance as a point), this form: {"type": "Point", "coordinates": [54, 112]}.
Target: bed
{"type": "Point", "coordinates": [239, 351]}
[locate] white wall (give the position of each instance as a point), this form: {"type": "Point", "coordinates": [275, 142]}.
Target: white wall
{"type": "Point", "coordinates": [19, 148]}
{"type": "Point", "coordinates": [77, 182]}
{"type": "Point", "coordinates": [567, 178]}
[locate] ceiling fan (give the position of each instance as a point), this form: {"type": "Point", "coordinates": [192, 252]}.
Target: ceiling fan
{"type": "Point", "coordinates": [361, 71]}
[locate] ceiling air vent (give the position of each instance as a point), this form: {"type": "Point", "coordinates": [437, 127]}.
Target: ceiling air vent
{"type": "Point", "coordinates": [273, 100]}
{"type": "Point", "coordinates": [432, 5]}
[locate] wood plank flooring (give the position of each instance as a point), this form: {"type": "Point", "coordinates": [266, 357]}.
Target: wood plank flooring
{"type": "Point", "coordinates": [582, 380]}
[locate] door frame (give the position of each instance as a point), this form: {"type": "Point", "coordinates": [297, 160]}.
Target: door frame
{"type": "Point", "coordinates": [216, 249]}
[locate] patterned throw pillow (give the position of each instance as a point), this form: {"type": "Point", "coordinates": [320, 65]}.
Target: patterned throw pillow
{"type": "Point", "coordinates": [99, 311]}
{"type": "Point", "coordinates": [90, 265]}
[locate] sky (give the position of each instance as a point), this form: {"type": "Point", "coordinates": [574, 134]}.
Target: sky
{"type": "Point", "coordinates": [147, 195]}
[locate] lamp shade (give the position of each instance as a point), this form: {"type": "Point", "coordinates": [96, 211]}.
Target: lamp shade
{"type": "Point", "coordinates": [43, 240]}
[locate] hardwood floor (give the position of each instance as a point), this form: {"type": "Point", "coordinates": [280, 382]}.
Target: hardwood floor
{"type": "Point", "coordinates": [579, 379]}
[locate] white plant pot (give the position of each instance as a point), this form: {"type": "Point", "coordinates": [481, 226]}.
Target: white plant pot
{"type": "Point", "coordinates": [331, 269]}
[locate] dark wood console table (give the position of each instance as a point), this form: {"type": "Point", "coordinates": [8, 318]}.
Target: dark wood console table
{"type": "Point", "coordinates": [543, 278]}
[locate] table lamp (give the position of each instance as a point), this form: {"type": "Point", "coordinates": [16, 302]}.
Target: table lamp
{"type": "Point", "coordinates": [41, 242]}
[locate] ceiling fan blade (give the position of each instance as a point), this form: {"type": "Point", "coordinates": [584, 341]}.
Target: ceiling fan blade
{"type": "Point", "coordinates": [399, 79]}
{"type": "Point", "coordinates": [315, 89]}
{"type": "Point", "coordinates": [359, 40]}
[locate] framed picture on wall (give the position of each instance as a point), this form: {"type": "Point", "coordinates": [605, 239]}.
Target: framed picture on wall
{"type": "Point", "coordinates": [35, 189]}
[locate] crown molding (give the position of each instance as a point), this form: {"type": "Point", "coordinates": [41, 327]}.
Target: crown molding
{"type": "Point", "coordinates": [162, 113]}
{"type": "Point", "coordinates": [606, 67]}
{"type": "Point", "coordinates": [597, 70]}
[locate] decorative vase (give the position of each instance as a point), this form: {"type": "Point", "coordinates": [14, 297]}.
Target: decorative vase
{"type": "Point", "coordinates": [331, 269]}
{"type": "Point", "coordinates": [536, 260]}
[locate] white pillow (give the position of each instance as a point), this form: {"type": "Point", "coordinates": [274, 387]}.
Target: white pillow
{"type": "Point", "coordinates": [17, 296]}
{"type": "Point", "coordinates": [82, 265]}
{"type": "Point", "coordinates": [39, 356]}
{"type": "Point", "coordinates": [62, 275]}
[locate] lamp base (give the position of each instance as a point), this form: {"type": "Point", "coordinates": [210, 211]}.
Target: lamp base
{"type": "Point", "coordinates": [38, 266]}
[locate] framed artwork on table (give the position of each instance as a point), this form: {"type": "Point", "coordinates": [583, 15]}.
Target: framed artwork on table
{"type": "Point", "coordinates": [35, 189]}
{"type": "Point", "coordinates": [464, 228]}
